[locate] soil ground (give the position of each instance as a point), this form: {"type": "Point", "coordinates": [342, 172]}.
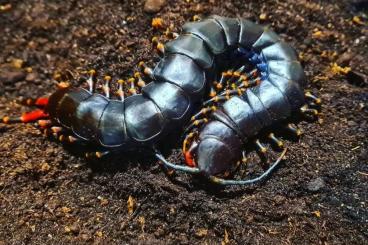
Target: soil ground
{"type": "Point", "coordinates": [50, 195]}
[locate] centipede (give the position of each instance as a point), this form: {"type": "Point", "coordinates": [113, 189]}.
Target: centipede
{"type": "Point", "coordinates": [222, 80]}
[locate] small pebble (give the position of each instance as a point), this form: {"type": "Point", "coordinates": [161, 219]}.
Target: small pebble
{"type": "Point", "coordinates": [345, 59]}
{"type": "Point", "coordinates": [357, 78]}
{"type": "Point", "coordinates": [11, 76]}
{"type": "Point", "coordinates": [31, 77]}
{"type": "Point", "coordinates": [316, 185]}
{"type": "Point", "coordinates": [153, 6]}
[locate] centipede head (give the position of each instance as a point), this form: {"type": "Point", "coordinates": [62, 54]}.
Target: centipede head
{"type": "Point", "coordinates": [210, 156]}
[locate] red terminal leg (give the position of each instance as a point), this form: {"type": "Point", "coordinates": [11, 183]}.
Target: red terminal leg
{"type": "Point", "coordinates": [27, 117]}
{"type": "Point", "coordinates": [42, 101]}
{"type": "Point", "coordinates": [33, 116]}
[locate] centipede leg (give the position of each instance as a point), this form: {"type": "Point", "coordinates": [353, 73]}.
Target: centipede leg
{"type": "Point", "coordinates": [308, 112]}
{"type": "Point", "coordinates": [106, 86]}
{"type": "Point", "coordinates": [96, 154]}
{"type": "Point", "coordinates": [260, 147]}
{"type": "Point", "coordinates": [276, 140]}
{"type": "Point", "coordinates": [54, 132]}
{"type": "Point", "coordinates": [261, 151]}
{"type": "Point", "coordinates": [140, 81]}
{"type": "Point", "coordinates": [91, 80]}
{"type": "Point", "coordinates": [226, 95]}
{"type": "Point", "coordinates": [159, 46]}
{"type": "Point", "coordinates": [294, 130]}
{"type": "Point", "coordinates": [216, 99]}
{"type": "Point", "coordinates": [146, 70]}
{"type": "Point", "coordinates": [44, 123]}
{"type": "Point", "coordinates": [311, 97]}
{"type": "Point", "coordinates": [195, 124]}
{"type": "Point", "coordinates": [203, 112]}
{"type": "Point", "coordinates": [196, 18]}
{"type": "Point", "coordinates": [171, 34]}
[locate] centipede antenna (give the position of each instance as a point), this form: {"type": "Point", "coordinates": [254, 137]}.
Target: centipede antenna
{"type": "Point", "coordinates": [120, 91]}
{"type": "Point", "coordinates": [90, 80]}
{"type": "Point", "coordinates": [106, 86]}
{"type": "Point", "coordinates": [191, 170]}
{"type": "Point", "coordinates": [265, 174]}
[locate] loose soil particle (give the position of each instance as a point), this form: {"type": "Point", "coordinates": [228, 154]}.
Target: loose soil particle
{"type": "Point", "coordinates": [51, 195]}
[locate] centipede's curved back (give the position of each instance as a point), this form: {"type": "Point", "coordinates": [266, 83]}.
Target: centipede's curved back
{"type": "Point", "coordinates": [180, 80]}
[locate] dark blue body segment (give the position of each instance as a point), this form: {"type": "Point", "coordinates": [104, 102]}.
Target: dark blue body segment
{"type": "Point", "coordinates": [143, 118]}
{"type": "Point", "coordinates": [183, 72]}
{"type": "Point", "coordinates": [70, 103]}
{"type": "Point", "coordinates": [231, 29]}
{"type": "Point", "coordinates": [210, 32]}
{"type": "Point", "coordinates": [194, 48]}
{"type": "Point", "coordinates": [87, 116]}
{"type": "Point", "coordinates": [112, 127]}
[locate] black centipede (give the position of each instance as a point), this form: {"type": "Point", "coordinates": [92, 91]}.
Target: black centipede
{"type": "Point", "coordinates": [243, 76]}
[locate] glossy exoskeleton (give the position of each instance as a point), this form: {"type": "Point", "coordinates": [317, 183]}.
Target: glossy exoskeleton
{"type": "Point", "coordinates": [183, 78]}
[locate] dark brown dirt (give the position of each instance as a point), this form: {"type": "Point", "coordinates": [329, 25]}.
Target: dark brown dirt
{"type": "Point", "coordinates": [49, 195]}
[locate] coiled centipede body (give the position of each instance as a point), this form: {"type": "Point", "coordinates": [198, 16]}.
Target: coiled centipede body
{"type": "Point", "coordinates": [243, 74]}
